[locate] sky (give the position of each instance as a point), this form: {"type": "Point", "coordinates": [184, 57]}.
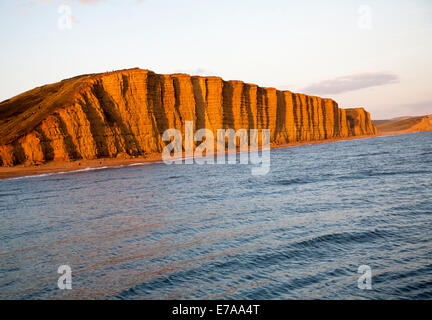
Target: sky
{"type": "Point", "coordinates": [373, 54]}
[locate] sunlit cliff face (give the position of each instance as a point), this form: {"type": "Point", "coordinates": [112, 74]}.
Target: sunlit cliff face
{"type": "Point", "coordinates": [125, 113]}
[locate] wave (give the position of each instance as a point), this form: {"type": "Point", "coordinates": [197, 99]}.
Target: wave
{"type": "Point", "coordinates": [88, 169]}
{"type": "Point", "coordinates": [288, 182]}
{"type": "Point", "coordinates": [371, 154]}
{"type": "Point", "coordinates": [55, 173]}
{"type": "Point", "coordinates": [260, 258]}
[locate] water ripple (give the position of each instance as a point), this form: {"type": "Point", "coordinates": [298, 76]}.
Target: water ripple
{"type": "Point", "coordinates": [217, 232]}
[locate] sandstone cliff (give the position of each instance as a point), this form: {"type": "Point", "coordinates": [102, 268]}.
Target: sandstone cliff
{"type": "Point", "coordinates": [359, 122]}
{"type": "Point", "coordinates": [124, 114]}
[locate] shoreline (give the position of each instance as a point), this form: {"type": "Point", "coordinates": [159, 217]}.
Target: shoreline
{"type": "Point", "coordinates": [103, 163]}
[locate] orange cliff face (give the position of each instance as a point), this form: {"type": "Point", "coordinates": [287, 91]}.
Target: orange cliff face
{"type": "Point", "coordinates": [124, 114]}
{"type": "Point", "coordinates": [360, 122]}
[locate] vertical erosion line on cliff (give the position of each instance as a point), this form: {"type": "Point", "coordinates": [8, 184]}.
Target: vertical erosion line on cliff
{"type": "Point", "coordinates": [227, 105]}
{"type": "Point", "coordinates": [306, 115]}
{"type": "Point", "coordinates": [124, 125]}
{"type": "Point", "coordinates": [177, 93]}
{"type": "Point", "coordinates": [237, 116]}
{"type": "Point", "coordinates": [156, 107]}
{"type": "Point", "coordinates": [300, 117]}
{"type": "Point", "coordinates": [107, 122]}
{"type": "Point", "coordinates": [47, 149]}
{"type": "Point", "coordinates": [247, 104]}
{"type": "Point", "coordinates": [266, 110]}
{"type": "Point", "coordinates": [340, 122]}
{"type": "Point", "coordinates": [296, 114]}
{"type": "Point", "coordinates": [206, 105]}
{"type": "Point", "coordinates": [185, 104]}
{"type": "Point", "coordinates": [259, 107]}
{"type": "Point", "coordinates": [125, 86]}
{"type": "Point", "coordinates": [324, 115]}
{"type": "Point", "coordinates": [351, 124]}
{"type": "Point", "coordinates": [18, 154]}
{"type": "Point", "coordinates": [368, 123]}
{"type": "Point", "coordinates": [290, 119]}
{"type": "Point", "coordinates": [253, 99]}
{"type": "Point", "coordinates": [330, 118]}
{"type": "Point", "coordinates": [362, 121]}
{"type": "Point", "coordinates": [70, 146]}
{"type": "Point", "coordinates": [311, 114]}
{"type": "Point", "coordinates": [114, 120]}
{"type": "Point", "coordinates": [314, 123]}
{"type": "Point", "coordinates": [336, 120]}
{"type": "Point", "coordinates": [281, 112]}
{"type": "Point", "coordinates": [311, 124]}
{"type": "Point", "coordinates": [215, 103]}
{"type": "Point", "coordinates": [199, 103]}
{"type": "Point", "coordinates": [96, 125]}
{"type": "Point", "coordinates": [317, 119]}
{"type": "Point", "coordinates": [300, 109]}
{"type": "Point", "coordinates": [305, 118]}
{"type": "Point", "coordinates": [343, 124]}
{"type": "Point", "coordinates": [271, 112]}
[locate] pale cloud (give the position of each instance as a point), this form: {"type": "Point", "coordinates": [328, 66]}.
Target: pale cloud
{"type": "Point", "coordinates": [416, 108]}
{"type": "Point", "coordinates": [391, 110]}
{"type": "Point", "coordinates": [351, 82]}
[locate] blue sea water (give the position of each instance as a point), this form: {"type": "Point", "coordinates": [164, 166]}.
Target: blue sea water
{"type": "Point", "coordinates": [161, 231]}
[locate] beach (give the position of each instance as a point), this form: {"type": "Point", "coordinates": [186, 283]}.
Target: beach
{"type": "Point", "coordinates": [85, 165]}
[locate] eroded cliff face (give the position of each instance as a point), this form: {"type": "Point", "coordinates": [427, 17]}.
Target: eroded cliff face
{"type": "Point", "coordinates": [124, 114]}
{"type": "Point", "coordinates": [359, 122]}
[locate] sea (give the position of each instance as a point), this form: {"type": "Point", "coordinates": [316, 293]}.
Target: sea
{"type": "Point", "coordinates": [342, 220]}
